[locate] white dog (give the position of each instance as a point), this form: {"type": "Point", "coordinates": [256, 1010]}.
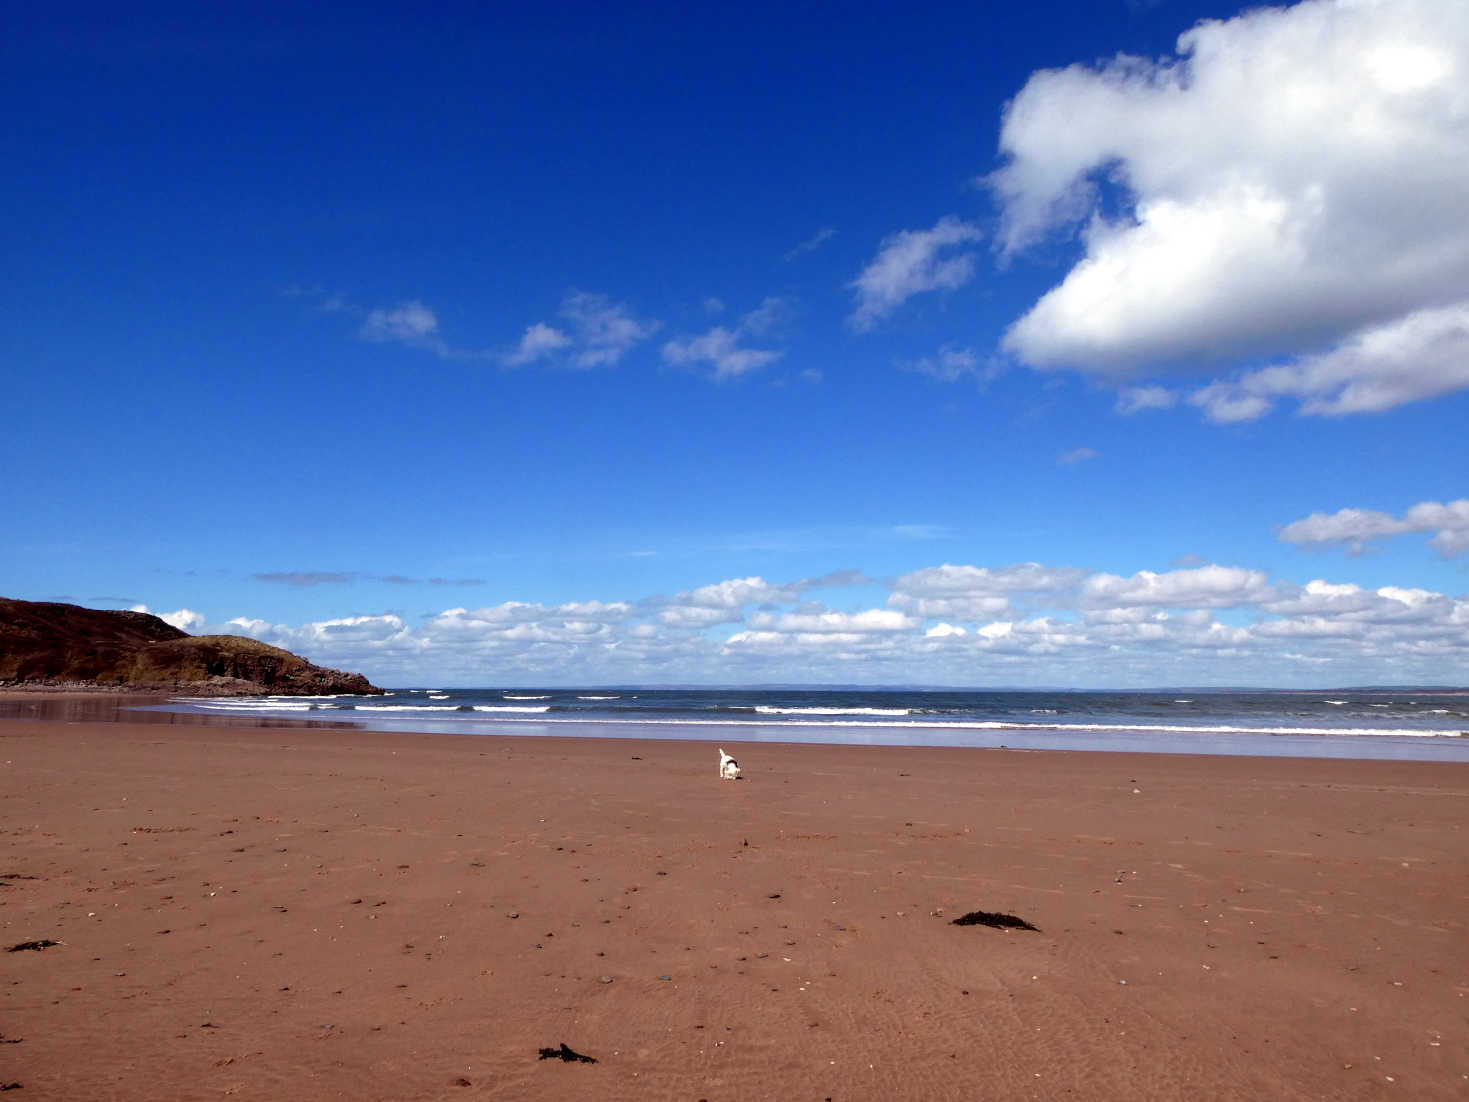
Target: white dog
{"type": "Point", "coordinates": [729, 769]}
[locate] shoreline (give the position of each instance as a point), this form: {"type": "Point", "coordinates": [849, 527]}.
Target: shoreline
{"type": "Point", "coordinates": [302, 912]}
{"type": "Point", "coordinates": [906, 723]}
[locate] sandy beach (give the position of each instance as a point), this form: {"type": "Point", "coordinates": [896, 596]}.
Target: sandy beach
{"type": "Point", "coordinates": [293, 912]}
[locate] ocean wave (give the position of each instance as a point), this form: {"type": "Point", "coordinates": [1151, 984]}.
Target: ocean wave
{"type": "Point", "coordinates": [512, 696]}
{"type": "Point", "coordinates": [365, 709]}
{"type": "Point", "coordinates": [772, 710]}
{"type": "Point", "coordinates": [599, 698]}
{"type": "Point", "coordinates": [256, 705]}
{"type": "Point", "coordinates": [771, 719]}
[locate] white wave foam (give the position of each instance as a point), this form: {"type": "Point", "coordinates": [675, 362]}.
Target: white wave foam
{"type": "Point", "coordinates": [255, 705]}
{"type": "Point", "coordinates": [599, 698]}
{"type": "Point", "coordinates": [771, 710]}
{"type": "Point", "coordinates": [836, 719]}
{"type": "Point", "coordinates": [513, 696]}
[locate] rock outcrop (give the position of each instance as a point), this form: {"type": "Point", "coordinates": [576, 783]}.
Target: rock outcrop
{"type": "Point", "coordinates": [43, 643]}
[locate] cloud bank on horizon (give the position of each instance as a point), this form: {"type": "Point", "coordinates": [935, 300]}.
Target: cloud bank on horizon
{"type": "Point", "coordinates": [952, 624]}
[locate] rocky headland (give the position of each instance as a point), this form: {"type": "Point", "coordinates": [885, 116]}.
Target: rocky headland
{"type": "Point", "coordinates": [47, 645]}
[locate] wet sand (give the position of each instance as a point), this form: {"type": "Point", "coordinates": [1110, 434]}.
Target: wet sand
{"type": "Point", "coordinates": [302, 912]}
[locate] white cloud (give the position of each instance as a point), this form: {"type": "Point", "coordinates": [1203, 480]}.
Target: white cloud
{"type": "Point", "coordinates": [409, 323]}
{"type": "Point", "coordinates": [1136, 399]}
{"type": "Point", "coordinates": [254, 627]}
{"type": "Point", "coordinates": [1201, 587]}
{"type": "Point", "coordinates": [811, 244]}
{"type": "Point", "coordinates": [724, 602]}
{"type": "Point", "coordinates": [1420, 356]}
{"type": "Point", "coordinates": [605, 331]}
{"type": "Point", "coordinates": [974, 593]}
{"type": "Point", "coordinates": [844, 623]}
{"type": "Point", "coordinates": [944, 631]}
{"type": "Point", "coordinates": [184, 619]}
{"type": "Point", "coordinates": [1076, 455]}
{"type": "Point", "coordinates": [952, 624]}
{"type": "Point", "coordinates": [909, 263]}
{"type": "Point", "coordinates": [1293, 185]}
{"type": "Point", "coordinates": [951, 364]}
{"type": "Point", "coordinates": [720, 346]}
{"type": "Point", "coordinates": [1226, 403]}
{"type": "Point", "coordinates": [1342, 604]}
{"type": "Point", "coordinates": [597, 333]}
{"type": "Point", "coordinates": [1355, 529]}
{"type": "Point", "coordinates": [538, 340]}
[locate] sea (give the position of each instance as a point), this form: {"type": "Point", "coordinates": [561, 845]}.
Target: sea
{"type": "Point", "coordinates": [1423, 725]}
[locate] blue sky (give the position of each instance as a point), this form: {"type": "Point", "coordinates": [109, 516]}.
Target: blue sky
{"type": "Point", "coordinates": [962, 345]}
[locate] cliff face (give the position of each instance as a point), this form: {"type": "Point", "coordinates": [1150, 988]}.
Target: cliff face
{"type": "Point", "coordinates": [57, 643]}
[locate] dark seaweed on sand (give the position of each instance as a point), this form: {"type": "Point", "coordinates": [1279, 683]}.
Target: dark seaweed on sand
{"type": "Point", "coordinates": [994, 918]}
{"type": "Point", "coordinates": [44, 943]}
{"type": "Point", "coordinates": [564, 1053]}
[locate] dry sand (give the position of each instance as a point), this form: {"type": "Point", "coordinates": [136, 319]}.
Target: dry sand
{"type": "Point", "coordinates": [297, 913]}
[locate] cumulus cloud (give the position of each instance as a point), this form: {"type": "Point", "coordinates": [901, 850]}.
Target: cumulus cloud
{"type": "Point", "coordinates": [1201, 587]}
{"type": "Point", "coordinates": [910, 263]}
{"type": "Point", "coordinates": [185, 619]}
{"type": "Point", "coordinates": [1321, 601]}
{"type": "Point", "coordinates": [1420, 356]}
{"type": "Point", "coordinates": [955, 624]}
{"type": "Point", "coordinates": [722, 347]}
{"type": "Point", "coordinates": [823, 622]}
{"type": "Point", "coordinates": [974, 593]}
{"type": "Point", "coordinates": [1291, 186]}
{"type": "Point", "coordinates": [1356, 529]}
{"type": "Point", "coordinates": [724, 602]}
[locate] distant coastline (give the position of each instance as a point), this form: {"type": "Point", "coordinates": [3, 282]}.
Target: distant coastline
{"type": "Point", "coordinates": [55, 647]}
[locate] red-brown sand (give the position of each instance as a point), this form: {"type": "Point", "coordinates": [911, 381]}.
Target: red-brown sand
{"type": "Point", "coordinates": [295, 913]}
